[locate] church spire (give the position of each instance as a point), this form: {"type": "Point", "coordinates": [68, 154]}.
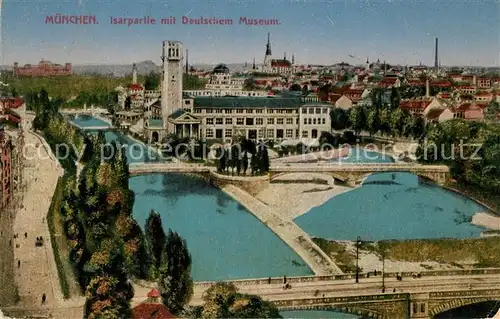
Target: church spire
{"type": "Point", "coordinates": [293, 58]}
{"type": "Point", "coordinates": [253, 64]}
{"type": "Point", "coordinates": [284, 56]}
{"type": "Point", "coordinates": [187, 62]}
{"type": "Point", "coordinates": [268, 46]}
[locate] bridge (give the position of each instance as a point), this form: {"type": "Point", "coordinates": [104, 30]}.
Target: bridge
{"type": "Point", "coordinates": [432, 293]}
{"type": "Point", "coordinates": [351, 174]}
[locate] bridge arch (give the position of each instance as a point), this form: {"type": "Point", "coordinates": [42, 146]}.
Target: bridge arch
{"type": "Point", "coordinates": [457, 303]}
{"type": "Point", "coordinates": [351, 309]}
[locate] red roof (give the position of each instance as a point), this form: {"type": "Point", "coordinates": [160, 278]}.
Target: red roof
{"type": "Point", "coordinates": [466, 87]}
{"type": "Point", "coordinates": [154, 293]}
{"type": "Point", "coordinates": [12, 102]}
{"type": "Point", "coordinates": [415, 82]}
{"type": "Point", "coordinates": [135, 87]}
{"type": "Point", "coordinates": [414, 104]}
{"type": "Point", "coordinates": [280, 63]}
{"type": "Point", "coordinates": [443, 83]}
{"type": "Point", "coordinates": [148, 310]}
{"type": "Point", "coordinates": [484, 94]}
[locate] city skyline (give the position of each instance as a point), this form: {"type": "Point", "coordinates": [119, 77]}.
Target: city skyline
{"type": "Point", "coordinates": [315, 32]}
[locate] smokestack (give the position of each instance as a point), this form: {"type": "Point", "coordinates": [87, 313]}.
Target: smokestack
{"type": "Point", "coordinates": [187, 62]}
{"type": "Point", "coordinates": [436, 57]}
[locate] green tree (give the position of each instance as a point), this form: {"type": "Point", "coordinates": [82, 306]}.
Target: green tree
{"type": "Point", "coordinates": [152, 81]}
{"type": "Point", "coordinates": [395, 98]}
{"type": "Point", "coordinates": [373, 121]}
{"type": "Point", "coordinates": [175, 281]}
{"type": "Point", "coordinates": [397, 122]}
{"type": "Point", "coordinates": [358, 119]}
{"type": "Point", "coordinates": [295, 87]}
{"type": "Point", "coordinates": [155, 237]}
{"type": "Point", "coordinates": [128, 103]}
{"type": "Point", "coordinates": [263, 156]}
{"type": "Point", "coordinates": [339, 119]}
{"type": "Point", "coordinates": [249, 84]}
{"type": "Point", "coordinates": [222, 300]}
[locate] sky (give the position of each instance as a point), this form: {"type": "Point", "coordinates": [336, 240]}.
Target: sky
{"type": "Point", "coordinates": [316, 32]}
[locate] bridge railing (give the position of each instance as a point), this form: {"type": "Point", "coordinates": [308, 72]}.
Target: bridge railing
{"type": "Point", "coordinates": [302, 279]}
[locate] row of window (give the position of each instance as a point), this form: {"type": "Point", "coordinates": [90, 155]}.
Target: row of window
{"type": "Point", "coordinates": [315, 121]}
{"type": "Point", "coordinates": [252, 121]}
{"type": "Point", "coordinates": [248, 111]}
{"type": "Point", "coordinates": [314, 110]}
{"type": "Point", "coordinates": [270, 133]}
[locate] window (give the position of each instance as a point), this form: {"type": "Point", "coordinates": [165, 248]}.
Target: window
{"type": "Point", "coordinates": [219, 121]}
{"type": "Point", "coordinates": [279, 121]}
{"type": "Point", "coordinates": [229, 121]}
{"type": "Point", "coordinates": [249, 120]}
{"type": "Point", "coordinates": [289, 111]}
{"type": "Point", "coordinates": [305, 121]}
{"type": "Point", "coordinates": [289, 121]}
{"type": "Point", "coordinates": [323, 121]}
{"type": "Point", "coordinates": [259, 121]}
{"type": "Point", "coordinates": [325, 110]}
{"type": "Point", "coordinates": [289, 133]}
{"type": "Point", "coordinates": [239, 111]}
{"type": "Point", "coordinates": [270, 133]}
{"type": "Point", "coordinates": [270, 121]}
{"type": "Point", "coordinates": [304, 110]}
{"type": "Point", "coordinates": [197, 110]}
{"type": "Point", "coordinates": [228, 132]}
{"type": "Point", "coordinates": [240, 121]}
{"type": "Point", "coordinates": [298, 121]}
{"type": "Point", "coordinates": [209, 133]}
{"type": "Point", "coordinates": [309, 121]}
{"type": "Point", "coordinates": [280, 111]}
{"type": "Point", "coordinates": [304, 134]}
{"type": "Point", "coordinates": [249, 111]}
{"type": "Point", "coordinates": [228, 111]}
{"type": "Point", "coordinates": [218, 111]}
{"type": "Point", "coordinates": [314, 121]}
{"type": "Point", "coordinates": [208, 111]}
{"type": "Point", "coordinates": [318, 110]}
{"type": "Point", "coordinates": [187, 102]}
{"type": "Point", "coordinates": [209, 121]}
{"type": "Point", "coordinates": [258, 111]}
{"type": "Point", "coordinates": [260, 133]}
{"type": "Point", "coordinates": [270, 111]}
{"type": "Point", "coordinates": [311, 110]}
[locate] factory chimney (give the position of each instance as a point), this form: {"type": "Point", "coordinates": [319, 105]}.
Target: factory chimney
{"type": "Point", "coordinates": [436, 57]}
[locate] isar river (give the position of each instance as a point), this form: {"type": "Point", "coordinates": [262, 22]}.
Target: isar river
{"type": "Point", "coordinates": [228, 242]}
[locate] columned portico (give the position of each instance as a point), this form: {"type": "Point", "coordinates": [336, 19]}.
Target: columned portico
{"type": "Point", "coordinates": [191, 130]}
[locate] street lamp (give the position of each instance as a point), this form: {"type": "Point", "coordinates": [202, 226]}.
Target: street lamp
{"type": "Point", "coordinates": [358, 241]}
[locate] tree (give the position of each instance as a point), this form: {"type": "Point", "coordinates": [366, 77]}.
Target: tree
{"type": "Point", "coordinates": [222, 300]}
{"type": "Point", "coordinates": [175, 281]}
{"type": "Point", "coordinates": [263, 157]}
{"type": "Point", "coordinates": [295, 87]}
{"type": "Point", "coordinates": [249, 84]}
{"type": "Point", "coordinates": [339, 119]}
{"type": "Point", "coordinates": [152, 81]}
{"type": "Point", "coordinates": [358, 119]}
{"type": "Point", "coordinates": [395, 98]}
{"type": "Point", "coordinates": [373, 121]}
{"type": "Point", "coordinates": [155, 237]}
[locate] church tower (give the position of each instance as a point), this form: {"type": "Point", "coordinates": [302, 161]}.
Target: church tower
{"type": "Point", "coordinates": [267, 57]}
{"type": "Point", "coordinates": [134, 74]}
{"type": "Point", "coordinates": [171, 87]}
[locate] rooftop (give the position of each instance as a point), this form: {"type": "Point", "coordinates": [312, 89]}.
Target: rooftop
{"type": "Point", "coordinates": [281, 101]}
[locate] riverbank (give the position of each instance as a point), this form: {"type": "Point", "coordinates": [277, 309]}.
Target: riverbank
{"type": "Point", "coordinates": [293, 195]}
{"type": "Point", "coordinates": [414, 255]}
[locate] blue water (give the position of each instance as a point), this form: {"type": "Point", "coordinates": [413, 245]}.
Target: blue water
{"type": "Point", "coordinates": [89, 121]}
{"type": "Point", "coordinates": [360, 155]}
{"type": "Point", "coordinates": [386, 208]}
{"type": "Point", "coordinates": [316, 314]}
{"type": "Point", "coordinates": [225, 240]}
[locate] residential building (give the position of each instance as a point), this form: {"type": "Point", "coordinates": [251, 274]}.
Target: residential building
{"type": "Point", "coordinates": [151, 308]}
{"type": "Point", "coordinates": [44, 68]}
{"type": "Point", "coordinates": [11, 162]}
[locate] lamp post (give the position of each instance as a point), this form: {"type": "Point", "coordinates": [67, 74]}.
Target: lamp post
{"type": "Point", "coordinates": [383, 272]}
{"type": "Point", "coordinates": [358, 241]}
